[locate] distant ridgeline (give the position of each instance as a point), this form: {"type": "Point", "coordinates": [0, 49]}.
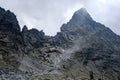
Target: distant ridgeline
{"type": "Point", "coordinates": [83, 50]}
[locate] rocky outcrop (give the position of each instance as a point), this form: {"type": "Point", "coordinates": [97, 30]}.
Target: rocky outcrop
{"type": "Point", "coordinates": [83, 50]}
{"type": "Point", "coordinates": [33, 38]}
{"type": "Point", "coordinates": [10, 40]}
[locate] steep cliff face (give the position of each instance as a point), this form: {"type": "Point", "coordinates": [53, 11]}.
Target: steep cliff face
{"type": "Point", "coordinates": [83, 50]}
{"type": "Point", "coordinates": [10, 40]}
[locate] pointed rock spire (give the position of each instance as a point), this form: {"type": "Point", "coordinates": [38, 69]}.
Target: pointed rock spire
{"type": "Point", "coordinates": [24, 29]}
{"type": "Point", "coordinates": [81, 16]}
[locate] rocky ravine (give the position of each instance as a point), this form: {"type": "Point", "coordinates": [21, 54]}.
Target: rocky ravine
{"type": "Point", "coordinates": [83, 50]}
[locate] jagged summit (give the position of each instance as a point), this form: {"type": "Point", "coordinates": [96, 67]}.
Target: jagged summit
{"type": "Point", "coordinates": [8, 21]}
{"type": "Point", "coordinates": [81, 16]}
{"type": "Point", "coordinates": [81, 23]}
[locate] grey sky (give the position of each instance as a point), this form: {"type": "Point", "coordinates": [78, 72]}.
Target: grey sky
{"type": "Point", "coordinates": [49, 15]}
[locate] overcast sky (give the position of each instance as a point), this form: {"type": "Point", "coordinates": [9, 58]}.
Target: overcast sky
{"type": "Point", "coordinates": [49, 15]}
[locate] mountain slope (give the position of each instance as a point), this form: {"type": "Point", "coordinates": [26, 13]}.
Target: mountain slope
{"type": "Point", "coordinates": [83, 50]}
{"type": "Point", "coordinates": [98, 47]}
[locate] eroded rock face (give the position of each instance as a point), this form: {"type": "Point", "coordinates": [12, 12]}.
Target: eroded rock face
{"type": "Point", "coordinates": [83, 50]}
{"type": "Point", "coordinates": [10, 40]}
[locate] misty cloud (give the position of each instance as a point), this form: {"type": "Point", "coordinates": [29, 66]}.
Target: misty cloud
{"type": "Point", "coordinates": [49, 15]}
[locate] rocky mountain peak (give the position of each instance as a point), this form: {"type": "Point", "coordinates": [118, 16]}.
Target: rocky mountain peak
{"type": "Point", "coordinates": [81, 23]}
{"type": "Point", "coordinates": [81, 16]}
{"type": "Point", "coordinates": [8, 21]}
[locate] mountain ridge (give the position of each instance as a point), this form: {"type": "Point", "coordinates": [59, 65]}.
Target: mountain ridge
{"type": "Point", "coordinates": [83, 50]}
